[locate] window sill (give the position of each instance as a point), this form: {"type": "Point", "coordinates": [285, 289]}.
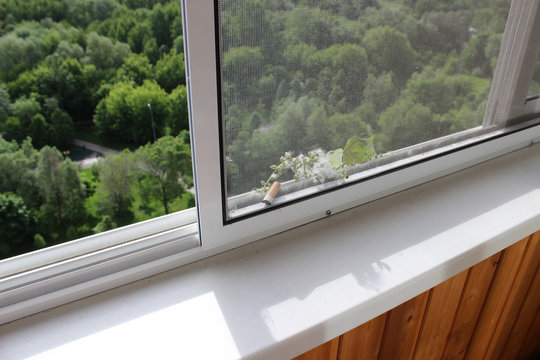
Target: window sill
{"type": "Point", "coordinates": [283, 295]}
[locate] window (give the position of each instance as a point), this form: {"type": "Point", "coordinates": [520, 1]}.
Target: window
{"type": "Point", "coordinates": [231, 88]}
{"type": "Point", "coordinates": [284, 73]}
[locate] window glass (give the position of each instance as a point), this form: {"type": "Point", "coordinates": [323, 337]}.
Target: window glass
{"type": "Point", "coordinates": [93, 118]}
{"type": "Point", "coordinates": [310, 90]}
{"type": "Point", "coordinates": [534, 88]}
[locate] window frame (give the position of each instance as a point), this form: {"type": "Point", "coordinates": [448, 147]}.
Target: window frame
{"type": "Point", "coordinates": [204, 75]}
{"type": "Point", "coordinates": [50, 277]}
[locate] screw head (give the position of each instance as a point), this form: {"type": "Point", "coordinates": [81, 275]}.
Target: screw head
{"type": "Point", "coordinates": [328, 212]}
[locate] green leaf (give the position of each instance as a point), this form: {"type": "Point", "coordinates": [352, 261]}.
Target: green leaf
{"type": "Point", "coordinates": [335, 158]}
{"type": "Point", "coordinates": [358, 150]}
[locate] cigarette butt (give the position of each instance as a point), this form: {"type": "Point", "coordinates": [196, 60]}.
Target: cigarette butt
{"type": "Point", "coordinates": [271, 194]}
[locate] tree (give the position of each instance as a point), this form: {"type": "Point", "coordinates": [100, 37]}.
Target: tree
{"type": "Point", "coordinates": [170, 71]}
{"type": "Point", "coordinates": [438, 91]}
{"type": "Point", "coordinates": [82, 12]}
{"type": "Point", "coordinates": [60, 186]}
{"type": "Point", "coordinates": [242, 67]}
{"type": "Point", "coordinates": [389, 50]}
{"type": "Point", "coordinates": [349, 63]}
{"type": "Point", "coordinates": [179, 119]}
{"type": "Point", "coordinates": [103, 53]}
{"type": "Point", "coordinates": [136, 68]}
{"type": "Point", "coordinates": [163, 165]}
{"type": "Point", "coordinates": [117, 176]}
{"type": "Point", "coordinates": [61, 129]}
{"type": "Point", "coordinates": [17, 166]}
{"type": "Point", "coordinates": [17, 225]}
{"type": "Point", "coordinates": [311, 26]}
{"type": "Point", "coordinates": [124, 112]}
{"type": "Point", "coordinates": [5, 104]}
{"type": "Point", "coordinates": [18, 54]}
{"type": "Point", "coordinates": [380, 91]}
{"type": "Point", "coordinates": [407, 123]}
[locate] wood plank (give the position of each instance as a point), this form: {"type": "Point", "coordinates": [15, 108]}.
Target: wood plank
{"type": "Point", "coordinates": [496, 299]}
{"type": "Point", "coordinates": [524, 321]}
{"type": "Point", "coordinates": [364, 342]}
{"type": "Point", "coordinates": [474, 294]}
{"type": "Point", "coordinates": [531, 346]}
{"type": "Point", "coordinates": [327, 351]}
{"type": "Point", "coordinates": [515, 299]}
{"type": "Point", "coordinates": [402, 328]}
{"type": "Point", "coordinates": [439, 317]}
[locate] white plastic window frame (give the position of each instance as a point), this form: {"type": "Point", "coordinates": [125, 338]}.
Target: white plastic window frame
{"type": "Point", "coordinates": [44, 279]}
{"type": "Point", "coordinates": [217, 231]}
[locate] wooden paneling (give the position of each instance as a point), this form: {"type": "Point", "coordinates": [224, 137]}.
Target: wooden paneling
{"type": "Point", "coordinates": [402, 329]}
{"type": "Point", "coordinates": [476, 288]}
{"type": "Point", "coordinates": [327, 351]}
{"type": "Point", "coordinates": [490, 311]}
{"type": "Point", "coordinates": [439, 317]}
{"type": "Point", "coordinates": [364, 342]}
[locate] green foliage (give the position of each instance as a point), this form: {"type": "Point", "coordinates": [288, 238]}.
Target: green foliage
{"type": "Point", "coordinates": [103, 53]}
{"type": "Point", "coordinates": [17, 225]}
{"type": "Point", "coordinates": [297, 76]}
{"type": "Point", "coordinates": [320, 166]}
{"type": "Point", "coordinates": [242, 82]}
{"type": "Point", "coordinates": [61, 129]}
{"type": "Point", "coordinates": [136, 69]}
{"type": "Point", "coordinates": [179, 119]}
{"type": "Point", "coordinates": [60, 187]}
{"type": "Point", "coordinates": [124, 112]}
{"type": "Point", "coordinates": [39, 241]}
{"type": "Point", "coordinates": [105, 224]}
{"type": "Point", "coordinates": [407, 123]}
{"type": "Point", "coordinates": [5, 104]}
{"type": "Point", "coordinates": [358, 150]}
{"type": "Point", "coordinates": [169, 71]}
{"type": "Point", "coordinates": [164, 164]}
{"type": "Point", "coordinates": [17, 164]}
{"type": "Point", "coordinates": [117, 177]}
{"type": "Point", "coordinates": [389, 50]}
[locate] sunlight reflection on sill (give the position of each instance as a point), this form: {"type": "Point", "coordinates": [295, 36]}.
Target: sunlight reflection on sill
{"type": "Point", "coordinates": [129, 340]}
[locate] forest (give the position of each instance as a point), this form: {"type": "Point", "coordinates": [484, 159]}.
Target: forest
{"type": "Point", "coordinates": [301, 78]}
{"type": "Point", "coordinates": [89, 69]}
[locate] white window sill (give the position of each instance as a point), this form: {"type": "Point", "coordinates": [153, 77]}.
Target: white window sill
{"type": "Point", "coordinates": [283, 295]}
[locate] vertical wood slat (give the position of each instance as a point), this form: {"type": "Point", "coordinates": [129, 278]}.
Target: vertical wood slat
{"type": "Point", "coordinates": [490, 311]}
{"type": "Point", "coordinates": [531, 346]}
{"type": "Point", "coordinates": [505, 276]}
{"type": "Point", "coordinates": [515, 298]}
{"type": "Point", "coordinates": [474, 294]}
{"type": "Point", "coordinates": [439, 317]}
{"type": "Point", "coordinates": [364, 342]}
{"type": "Point", "coordinates": [402, 328]}
{"type": "Point", "coordinates": [327, 351]}
{"type": "Point", "coordinates": [524, 321]}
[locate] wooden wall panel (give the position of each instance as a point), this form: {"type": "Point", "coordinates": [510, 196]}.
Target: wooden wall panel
{"type": "Point", "coordinates": [402, 329]}
{"type": "Point", "coordinates": [490, 311]}
{"type": "Point", "coordinates": [476, 288]}
{"type": "Point", "coordinates": [524, 321]}
{"type": "Point", "coordinates": [439, 317]}
{"type": "Point", "coordinates": [530, 348]}
{"type": "Point", "coordinates": [496, 300]}
{"type": "Point", "coordinates": [364, 342]}
{"type": "Point", "coordinates": [327, 351]}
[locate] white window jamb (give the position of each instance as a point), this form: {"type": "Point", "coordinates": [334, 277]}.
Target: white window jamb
{"type": "Point", "coordinates": [515, 65]}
